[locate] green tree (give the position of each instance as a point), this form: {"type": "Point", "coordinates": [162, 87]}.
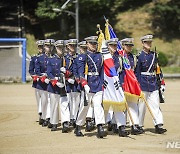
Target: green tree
{"type": "Point", "coordinates": [166, 18]}
{"type": "Point", "coordinates": [163, 60]}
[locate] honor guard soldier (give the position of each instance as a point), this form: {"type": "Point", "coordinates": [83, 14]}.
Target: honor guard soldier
{"type": "Point", "coordinates": [90, 121]}
{"type": "Point", "coordinates": [93, 85]}
{"type": "Point", "coordinates": [32, 72]}
{"type": "Point", "coordinates": [119, 116]}
{"type": "Point", "coordinates": [41, 67]}
{"type": "Point", "coordinates": [127, 45]}
{"type": "Point", "coordinates": [71, 84]}
{"type": "Point", "coordinates": [57, 90]}
{"type": "Point", "coordinates": [145, 71]}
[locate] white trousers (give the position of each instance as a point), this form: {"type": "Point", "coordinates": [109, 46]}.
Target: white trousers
{"type": "Point", "coordinates": [54, 108]}
{"type": "Point", "coordinates": [133, 108]}
{"type": "Point", "coordinates": [44, 102]}
{"type": "Point", "coordinates": [38, 100]}
{"type": "Point", "coordinates": [118, 118]}
{"type": "Point", "coordinates": [90, 112]}
{"type": "Point", "coordinates": [96, 100]}
{"type": "Point", "coordinates": [74, 101]}
{"type": "Point", "coordinates": [152, 99]}
{"type": "Point", "coordinates": [48, 107]}
{"type": "Point", "coordinates": [64, 105]}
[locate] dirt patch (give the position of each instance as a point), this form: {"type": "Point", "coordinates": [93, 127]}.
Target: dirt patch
{"type": "Point", "coordinates": [20, 132]}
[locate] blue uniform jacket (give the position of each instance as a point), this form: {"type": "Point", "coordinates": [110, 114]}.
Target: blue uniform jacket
{"type": "Point", "coordinates": [147, 82]}
{"type": "Point", "coordinates": [53, 70]}
{"type": "Point", "coordinates": [71, 66]}
{"type": "Point", "coordinates": [95, 64]}
{"type": "Point", "coordinates": [32, 70]}
{"type": "Point", "coordinates": [41, 67]}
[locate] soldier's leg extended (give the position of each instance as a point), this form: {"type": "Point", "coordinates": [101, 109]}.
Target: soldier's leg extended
{"type": "Point", "coordinates": [48, 109]}
{"type": "Point", "coordinates": [70, 100]}
{"type": "Point", "coordinates": [99, 113]}
{"type": "Point", "coordinates": [109, 116]}
{"type": "Point", "coordinates": [75, 106]}
{"type": "Point", "coordinates": [44, 101]}
{"type": "Point", "coordinates": [80, 121]}
{"type": "Point", "coordinates": [89, 116]}
{"type": "Point", "coordinates": [153, 101]}
{"type": "Point", "coordinates": [65, 113]}
{"type": "Point", "coordinates": [121, 123]}
{"type": "Point", "coordinates": [133, 108]}
{"type": "Point", "coordinates": [141, 112]}
{"type": "Point", "coordinates": [39, 109]}
{"type": "Point", "coordinates": [54, 112]}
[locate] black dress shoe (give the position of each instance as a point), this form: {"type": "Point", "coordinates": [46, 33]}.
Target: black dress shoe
{"type": "Point", "coordinates": [45, 123]}
{"type": "Point", "coordinates": [54, 127]}
{"type": "Point", "coordinates": [122, 131]}
{"type": "Point", "coordinates": [101, 133]}
{"type": "Point", "coordinates": [50, 125]}
{"type": "Point", "coordinates": [159, 129]}
{"type": "Point", "coordinates": [78, 132]}
{"type": "Point", "coordinates": [135, 130]}
{"type": "Point", "coordinates": [89, 126]}
{"type": "Point", "coordinates": [140, 128]}
{"type": "Point", "coordinates": [109, 126]}
{"type": "Point", "coordinates": [41, 121]}
{"type": "Point", "coordinates": [114, 128]}
{"type": "Point", "coordinates": [65, 128]}
{"type": "Point", "coordinates": [72, 123]}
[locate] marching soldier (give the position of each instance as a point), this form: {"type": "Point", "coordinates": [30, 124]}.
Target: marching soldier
{"type": "Point", "coordinates": [57, 91]}
{"type": "Point", "coordinates": [35, 78]}
{"type": "Point", "coordinates": [119, 116]}
{"type": "Point", "coordinates": [41, 67]}
{"type": "Point", "coordinates": [90, 113]}
{"type": "Point", "coordinates": [127, 45]}
{"type": "Point", "coordinates": [92, 86]}
{"type": "Point", "coordinates": [145, 71]}
{"type": "Point", "coordinates": [71, 82]}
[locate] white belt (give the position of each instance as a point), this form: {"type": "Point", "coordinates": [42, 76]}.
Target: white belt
{"type": "Point", "coordinates": [93, 73]}
{"type": "Point", "coordinates": [147, 73]}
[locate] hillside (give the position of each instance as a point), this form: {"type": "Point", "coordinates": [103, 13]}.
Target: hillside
{"type": "Point", "coordinates": [136, 23]}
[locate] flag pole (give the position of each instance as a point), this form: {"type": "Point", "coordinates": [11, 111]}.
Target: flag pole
{"type": "Point", "coordinates": [149, 109]}
{"type": "Point", "coordinates": [127, 107]}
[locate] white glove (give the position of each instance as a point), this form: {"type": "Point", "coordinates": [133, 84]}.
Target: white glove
{"type": "Point", "coordinates": [60, 85]}
{"type": "Point", "coordinates": [37, 79]}
{"type": "Point", "coordinates": [46, 81]}
{"type": "Point", "coordinates": [63, 69]}
{"type": "Point", "coordinates": [162, 88]}
{"type": "Point", "coordinates": [44, 74]}
{"type": "Point", "coordinates": [71, 81]}
{"type": "Point", "coordinates": [86, 88]}
{"type": "Point", "coordinates": [56, 78]}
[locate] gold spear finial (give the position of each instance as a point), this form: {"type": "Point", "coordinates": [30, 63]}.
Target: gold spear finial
{"type": "Point", "coordinates": [99, 29]}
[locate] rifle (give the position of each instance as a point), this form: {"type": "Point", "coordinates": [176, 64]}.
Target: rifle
{"type": "Point", "coordinates": [61, 79]}
{"type": "Point", "coordinates": [159, 80]}
{"type": "Point", "coordinates": [85, 95]}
